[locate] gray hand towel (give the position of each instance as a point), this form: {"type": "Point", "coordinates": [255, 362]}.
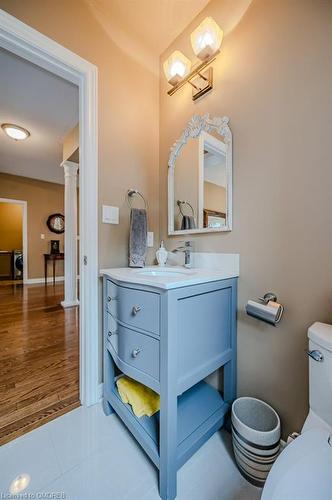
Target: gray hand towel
{"type": "Point", "coordinates": [137, 237]}
{"type": "Point", "coordinates": [188, 222]}
{"type": "Point", "coordinates": [192, 222]}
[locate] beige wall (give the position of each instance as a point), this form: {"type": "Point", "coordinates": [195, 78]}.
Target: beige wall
{"type": "Point", "coordinates": [43, 199]}
{"type": "Point", "coordinates": [273, 79]}
{"type": "Point", "coordinates": [11, 237]}
{"type": "Point", "coordinates": [128, 113]}
{"type": "Point", "coordinates": [214, 197]}
{"type": "Point", "coordinates": [70, 147]}
{"type": "Point", "coordinates": [11, 221]}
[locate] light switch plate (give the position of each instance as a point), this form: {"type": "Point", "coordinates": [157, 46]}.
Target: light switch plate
{"type": "Point", "coordinates": [150, 239]}
{"type": "Point", "coordinates": [110, 215]}
{"type": "Point", "coordinates": [42, 236]}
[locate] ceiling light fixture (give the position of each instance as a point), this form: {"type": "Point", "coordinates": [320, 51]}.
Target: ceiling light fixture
{"type": "Point", "coordinates": [205, 41]}
{"type": "Point", "coordinates": [15, 132]}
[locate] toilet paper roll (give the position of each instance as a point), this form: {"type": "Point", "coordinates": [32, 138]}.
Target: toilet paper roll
{"type": "Point", "coordinates": [270, 313]}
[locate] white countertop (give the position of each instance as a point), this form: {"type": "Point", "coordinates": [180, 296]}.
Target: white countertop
{"type": "Point", "coordinates": [171, 276]}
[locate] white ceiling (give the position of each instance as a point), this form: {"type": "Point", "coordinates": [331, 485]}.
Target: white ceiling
{"type": "Point", "coordinates": [145, 28]}
{"type": "Point", "coordinates": [44, 104]}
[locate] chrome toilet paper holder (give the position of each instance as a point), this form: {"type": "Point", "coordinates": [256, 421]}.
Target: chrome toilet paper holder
{"type": "Point", "coordinates": [269, 310]}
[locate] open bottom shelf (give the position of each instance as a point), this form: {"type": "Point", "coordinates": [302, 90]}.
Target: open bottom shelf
{"type": "Point", "coordinates": [201, 412]}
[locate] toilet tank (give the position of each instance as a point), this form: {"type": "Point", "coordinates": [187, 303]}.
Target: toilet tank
{"type": "Point", "coordinates": [320, 371]}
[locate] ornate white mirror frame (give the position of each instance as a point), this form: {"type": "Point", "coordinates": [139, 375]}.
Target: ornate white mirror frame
{"type": "Point", "coordinates": [195, 127]}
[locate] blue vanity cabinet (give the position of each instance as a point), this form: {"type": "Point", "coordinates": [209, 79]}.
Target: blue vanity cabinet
{"type": "Point", "coordinates": [170, 340]}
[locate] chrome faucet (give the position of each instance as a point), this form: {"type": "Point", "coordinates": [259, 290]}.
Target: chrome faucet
{"type": "Point", "coordinates": [186, 249]}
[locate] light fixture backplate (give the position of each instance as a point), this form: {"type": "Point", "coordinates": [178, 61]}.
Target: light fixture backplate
{"type": "Point", "coordinates": [202, 83]}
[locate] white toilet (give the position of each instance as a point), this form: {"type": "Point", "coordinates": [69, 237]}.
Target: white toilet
{"type": "Point", "coordinates": [303, 471]}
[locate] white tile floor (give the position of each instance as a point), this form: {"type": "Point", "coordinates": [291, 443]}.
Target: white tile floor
{"type": "Point", "coordinates": [84, 455]}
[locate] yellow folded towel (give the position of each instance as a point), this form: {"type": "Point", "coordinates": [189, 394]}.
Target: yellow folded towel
{"type": "Point", "coordinates": [143, 400]}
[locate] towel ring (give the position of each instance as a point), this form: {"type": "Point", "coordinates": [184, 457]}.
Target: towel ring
{"type": "Point", "coordinates": [180, 203]}
{"type": "Point", "coordinates": [130, 196]}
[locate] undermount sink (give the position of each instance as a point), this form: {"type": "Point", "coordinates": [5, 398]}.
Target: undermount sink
{"type": "Point", "coordinates": [167, 273]}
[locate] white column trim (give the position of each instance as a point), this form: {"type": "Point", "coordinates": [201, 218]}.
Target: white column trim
{"type": "Point", "coordinates": [70, 173]}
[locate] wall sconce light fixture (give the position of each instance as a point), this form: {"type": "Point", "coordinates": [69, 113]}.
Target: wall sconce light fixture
{"type": "Point", "coordinates": [206, 41]}
{"type": "Point", "coordinates": [176, 67]}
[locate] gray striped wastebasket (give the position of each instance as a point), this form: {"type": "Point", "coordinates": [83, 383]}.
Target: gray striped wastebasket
{"type": "Point", "coordinates": [256, 438]}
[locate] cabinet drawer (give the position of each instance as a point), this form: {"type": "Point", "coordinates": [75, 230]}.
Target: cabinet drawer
{"type": "Point", "coordinates": [136, 308]}
{"type": "Point", "coordinates": [137, 350]}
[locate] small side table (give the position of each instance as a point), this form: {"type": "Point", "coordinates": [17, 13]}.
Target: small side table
{"type": "Point", "coordinates": [53, 257]}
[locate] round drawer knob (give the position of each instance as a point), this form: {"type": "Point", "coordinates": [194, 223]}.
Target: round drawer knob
{"type": "Point", "coordinates": [136, 309]}
{"type": "Point", "coordinates": [111, 333]}
{"type": "Point", "coordinates": [135, 353]}
{"type": "Point", "coordinates": [109, 299]}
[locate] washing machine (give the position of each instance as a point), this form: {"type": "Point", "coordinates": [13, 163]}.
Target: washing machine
{"type": "Point", "coordinates": [18, 264]}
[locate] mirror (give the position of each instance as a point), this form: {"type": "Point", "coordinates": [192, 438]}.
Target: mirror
{"type": "Point", "coordinates": [200, 178]}
{"type": "Point", "coordinates": [56, 223]}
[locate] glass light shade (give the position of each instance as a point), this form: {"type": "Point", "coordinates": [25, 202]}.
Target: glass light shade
{"type": "Point", "coordinates": [15, 132]}
{"type": "Point", "coordinates": [176, 67]}
{"type": "Point", "coordinates": [206, 39]}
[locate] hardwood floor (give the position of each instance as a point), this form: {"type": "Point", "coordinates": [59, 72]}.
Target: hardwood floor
{"type": "Point", "coordinates": [39, 359]}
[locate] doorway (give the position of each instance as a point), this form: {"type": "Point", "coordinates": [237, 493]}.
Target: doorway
{"type": "Point", "coordinates": [13, 239]}
{"type": "Point", "coordinates": [25, 42]}
{"type": "Point", "coordinates": [38, 338]}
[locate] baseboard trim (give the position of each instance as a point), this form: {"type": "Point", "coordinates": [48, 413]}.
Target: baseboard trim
{"type": "Point", "coordinates": [69, 303]}
{"type": "Point", "coordinates": [32, 281]}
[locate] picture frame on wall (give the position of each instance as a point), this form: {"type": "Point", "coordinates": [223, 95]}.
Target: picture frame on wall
{"type": "Point", "coordinates": [55, 246]}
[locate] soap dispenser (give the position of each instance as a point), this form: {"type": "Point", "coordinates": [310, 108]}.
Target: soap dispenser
{"type": "Point", "coordinates": [161, 255]}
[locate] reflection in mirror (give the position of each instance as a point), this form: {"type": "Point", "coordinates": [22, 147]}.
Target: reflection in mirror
{"type": "Point", "coordinates": [200, 178]}
{"type": "Point", "coordinates": [186, 188]}
{"type": "Point", "coordinates": [214, 182]}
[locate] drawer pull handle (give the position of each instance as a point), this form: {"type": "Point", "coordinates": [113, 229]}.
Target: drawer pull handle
{"type": "Point", "coordinates": [136, 309]}
{"type": "Point", "coordinates": [135, 353]}
{"type": "Point", "coordinates": [109, 298]}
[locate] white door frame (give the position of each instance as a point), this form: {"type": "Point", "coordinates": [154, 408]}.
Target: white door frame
{"type": "Point", "coordinates": [31, 45]}
{"type": "Point", "coordinates": [24, 232]}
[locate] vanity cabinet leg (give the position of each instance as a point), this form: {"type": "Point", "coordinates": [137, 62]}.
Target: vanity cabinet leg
{"type": "Point", "coordinates": [108, 371]}
{"type": "Point", "coordinates": [168, 426]}
{"type": "Point", "coordinates": [108, 410]}
{"type": "Point", "coordinates": [168, 449]}
{"type": "Point", "coordinates": [230, 381]}
{"type": "Point", "coordinates": [109, 376]}
{"type": "Point", "coordinates": [230, 367]}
